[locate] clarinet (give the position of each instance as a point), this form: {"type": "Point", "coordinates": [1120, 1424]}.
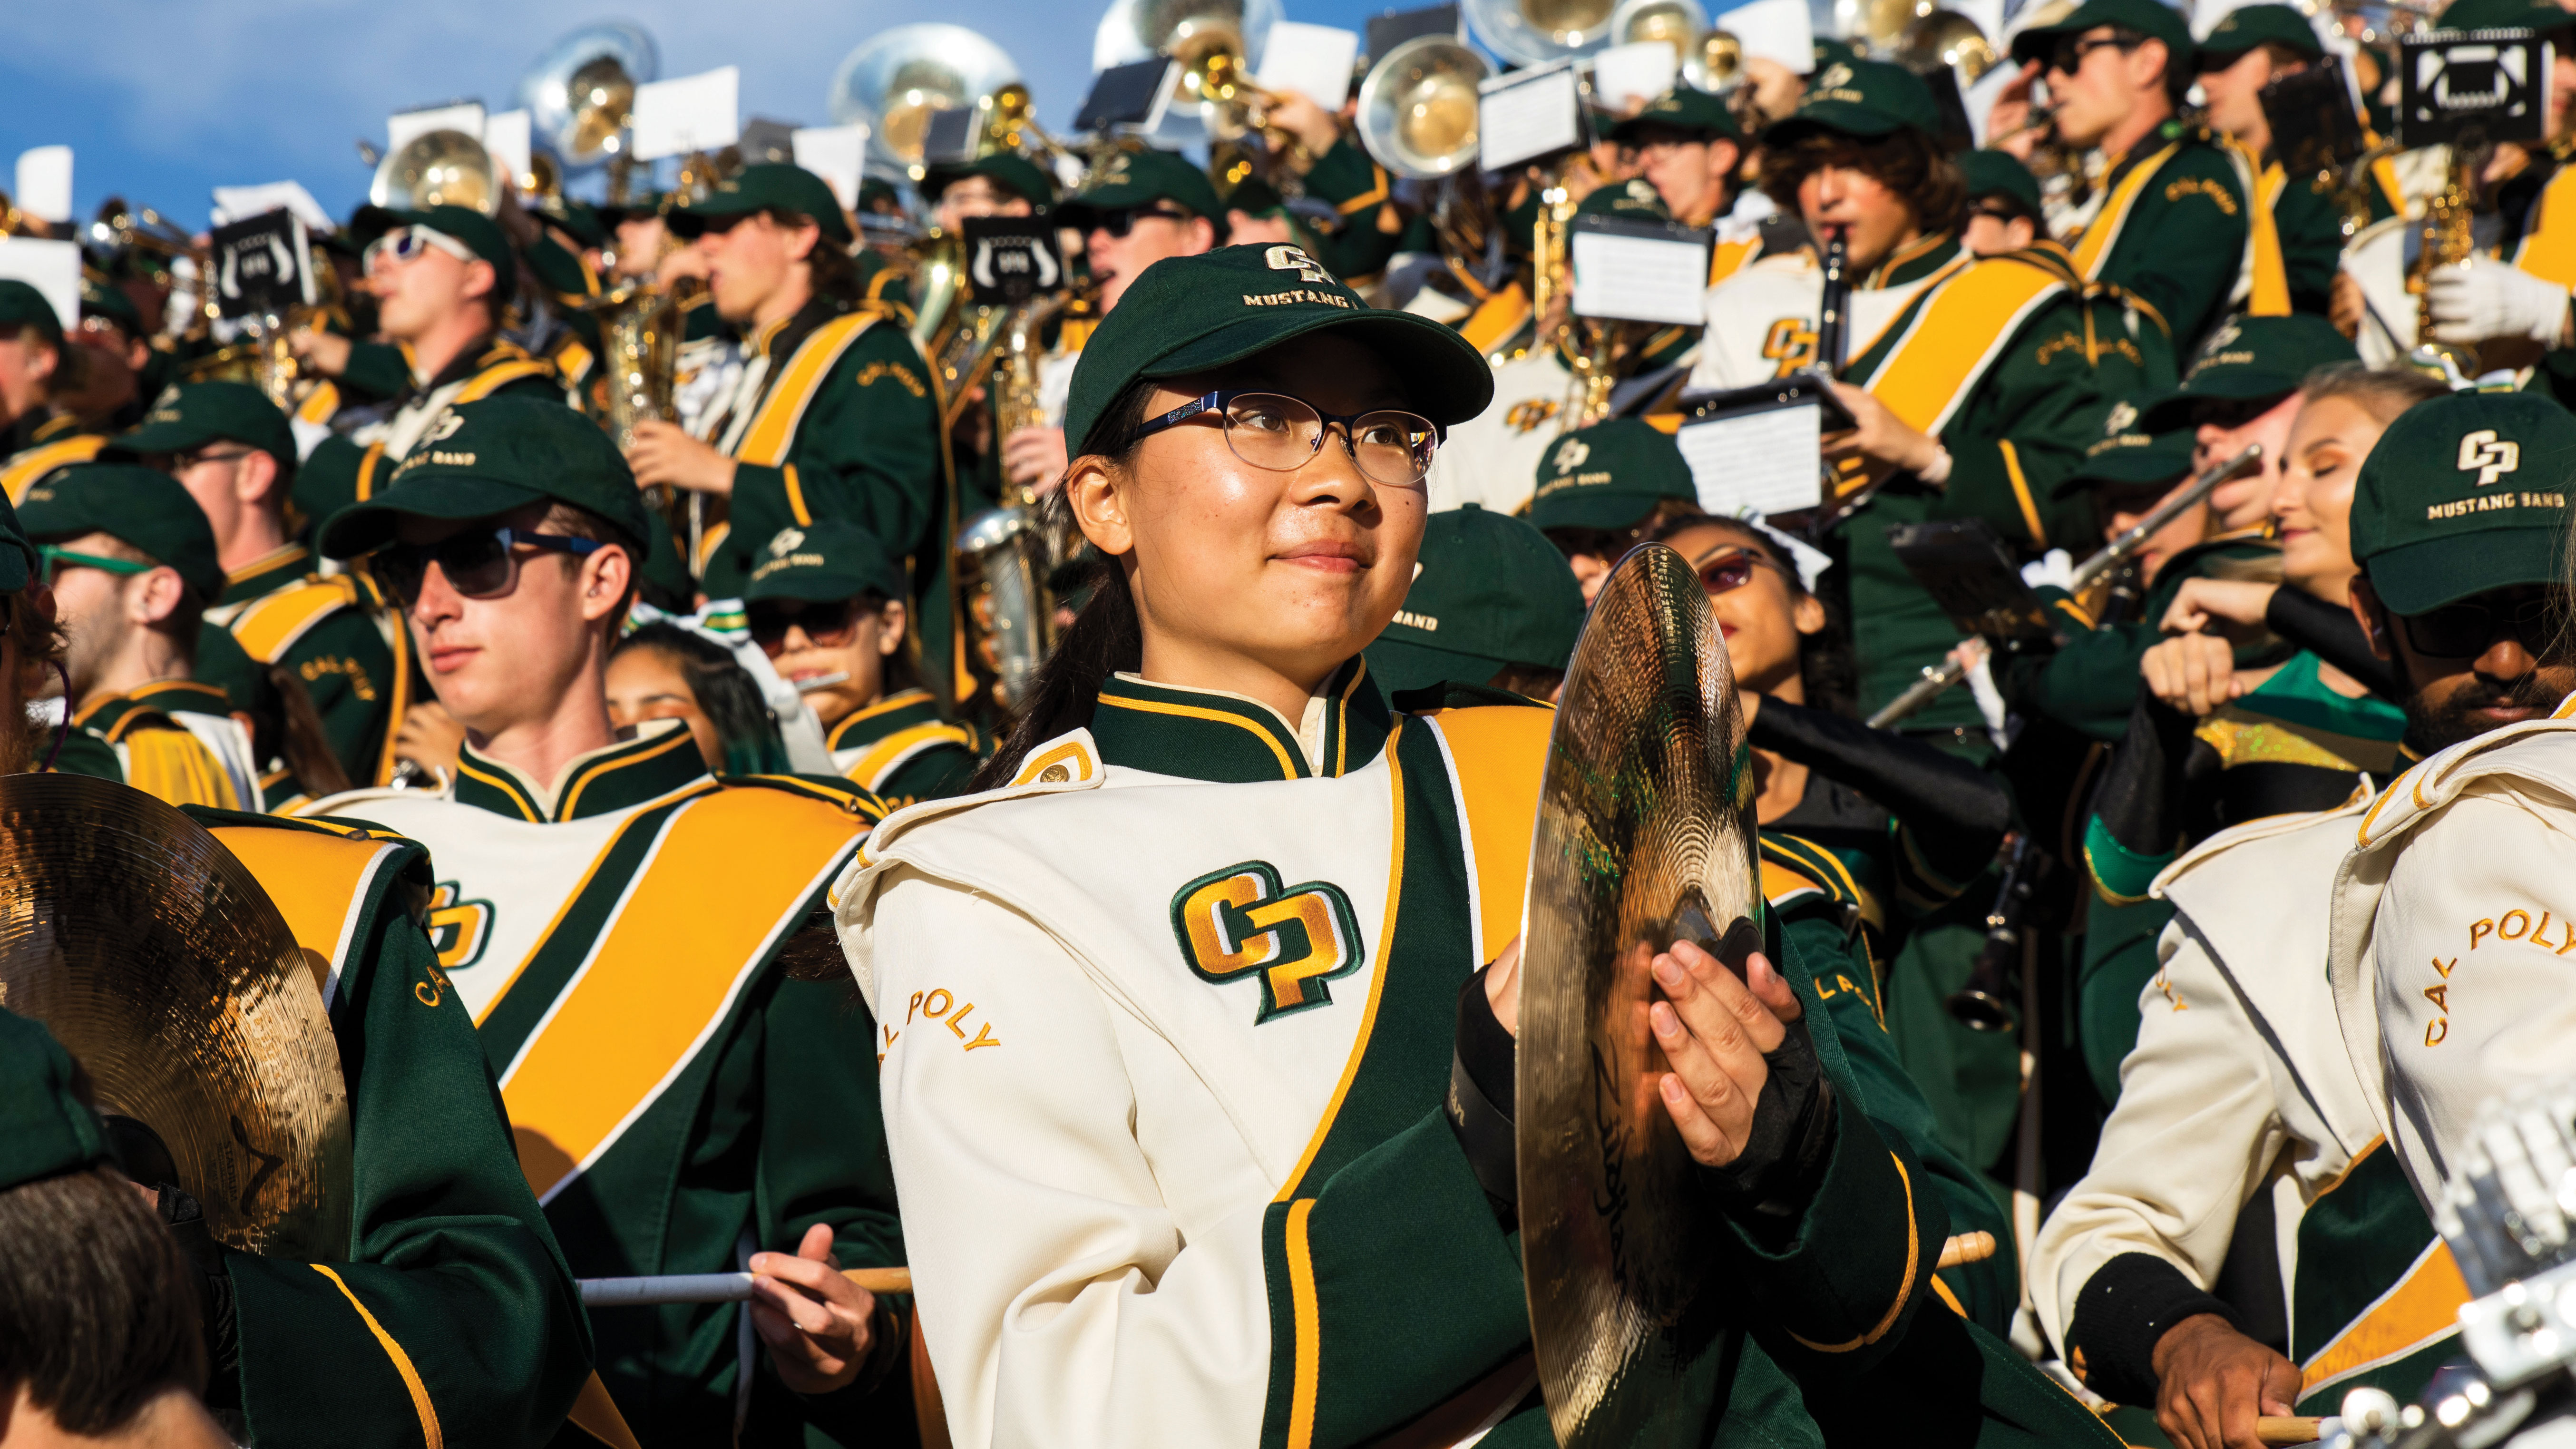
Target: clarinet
{"type": "Point", "coordinates": [1833, 316]}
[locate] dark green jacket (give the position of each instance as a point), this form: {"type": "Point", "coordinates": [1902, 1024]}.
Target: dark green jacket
{"type": "Point", "coordinates": [901, 750]}
{"type": "Point", "coordinates": [2182, 244]}
{"type": "Point", "coordinates": [282, 613]}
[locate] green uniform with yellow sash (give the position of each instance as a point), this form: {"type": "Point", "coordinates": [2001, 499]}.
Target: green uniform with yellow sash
{"type": "Point", "coordinates": [281, 612]}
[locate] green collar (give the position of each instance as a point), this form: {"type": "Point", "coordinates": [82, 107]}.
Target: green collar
{"type": "Point", "coordinates": [655, 763]}
{"type": "Point", "coordinates": [1206, 734]}
{"type": "Point", "coordinates": [900, 711]}
{"type": "Point", "coordinates": [267, 574]}
{"type": "Point", "coordinates": [1913, 262]}
{"type": "Point", "coordinates": [111, 716]}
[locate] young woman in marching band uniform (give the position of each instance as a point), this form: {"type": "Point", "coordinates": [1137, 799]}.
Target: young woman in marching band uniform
{"type": "Point", "coordinates": [1180, 1020]}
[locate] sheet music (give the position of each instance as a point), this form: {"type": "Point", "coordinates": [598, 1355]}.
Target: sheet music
{"type": "Point", "coordinates": [1527, 115]}
{"type": "Point", "coordinates": [1763, 462]}
{"type": "Point", "coordinates": [1639, 279]}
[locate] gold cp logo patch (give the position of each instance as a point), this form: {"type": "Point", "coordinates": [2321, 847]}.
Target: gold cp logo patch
{"type": "Point", "coordinates": [1570, 456]}
{"type": "Point", "coordinates": [1239, 921]}
{"type": "Point", "coordinates": [785, 543]}
{"type": "Point", "coordinates": [1294, 259]}
{"type": "Point", "coordinates": [2491, 456]}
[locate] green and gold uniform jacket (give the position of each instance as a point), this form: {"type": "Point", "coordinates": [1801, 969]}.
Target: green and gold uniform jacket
{"type": "Point", "coordinates": [2090, 681]}
{"type": "Point", "coordinates": [2309, 218]}
{"type": "Point", "coordinates": [451, 1318]}
{"type": "Point", "coordinates": [900, 750]}
{"type": "Point", "coordinates": [172, 739]}
{"type": "Point", "coordinates": [2171, 229]}
{"type": "Point", "coordinates": [1167, 1117]}
{"type": "Point", "coordinates": [677, 1102]}
{"type": "Point", "coordinates": [1367, 227]}
{"type": "Point", "coordinates": [38, 446]}
{"type": "Point", "coordinates": [380, 373]}
{"type": "Point", "coordinates": [836, 418]}
{"type": "Point", "coordinates": [280, 612]}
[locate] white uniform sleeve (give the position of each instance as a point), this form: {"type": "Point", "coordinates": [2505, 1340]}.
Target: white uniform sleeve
{"type": "Point", "coordinates": [2191, 1137]}
{"type": "Point", "coordinates": [1060, 1300]}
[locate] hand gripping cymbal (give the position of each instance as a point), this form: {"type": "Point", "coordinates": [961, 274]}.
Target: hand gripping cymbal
{"type": "Point", "coordinates": [168, 973]}
{"type": "Point", "coordinates": [1645, 836]}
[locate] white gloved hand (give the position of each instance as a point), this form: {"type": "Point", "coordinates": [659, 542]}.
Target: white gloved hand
{"type": "Point", "coordinates": [2056, 566]}
{"type": "Point", "coordinates": [2475, 300]}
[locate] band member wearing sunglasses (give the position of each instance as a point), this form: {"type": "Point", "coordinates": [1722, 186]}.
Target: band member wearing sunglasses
{"type": "Point", "coordinates": [827, 606]}
{"type": "Point", "coordinates": [1170, 1014]}
{"type": "Point", "coordinates": [612, 918]}
{"type": "Point", "coordinates": [449, 1312]}
{"type": "Point", "coordinates": [833, 414]}
{"type": "Point", "coordinates": [1604, 489]}
{"type": "Point", "coordinates": [1143, 206]}
{"type": "Point", "coordinates": [443, 280]}
{"type": "Point", "coordinates": [2172, 226]}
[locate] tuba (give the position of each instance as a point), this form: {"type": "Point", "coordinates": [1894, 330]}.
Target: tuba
{"type": "Point", "coordinates": [1005, 554]}
{"type": "Point", "coordinates": [896, 79]}
{"type": "Point", "coordinates": [580, 95]}
{"type": "Point", "coordinates": [438, 168]}
{"type": "Point", "coordinates": [1935, 39]}
{"type": "Point", "coordinates": [1539, 32]}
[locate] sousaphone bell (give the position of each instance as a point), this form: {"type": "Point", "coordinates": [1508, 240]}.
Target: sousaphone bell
{"type": "Point", "coordinates": [1645, 836]}
{"type": "Point", "coordinates": [170, 976]}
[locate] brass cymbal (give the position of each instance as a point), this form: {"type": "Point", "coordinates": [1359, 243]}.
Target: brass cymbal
{"type": "Point", "coordinates": [1645, 835]}
{"type": "Point", "coordinates": [164, 969]}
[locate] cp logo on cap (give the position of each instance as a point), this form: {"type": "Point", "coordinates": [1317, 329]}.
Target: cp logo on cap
{"type": "Point", "coordinates": [1294, 259]}
{"type": "Point", "coordinates": [445, 427]}
{"type": "Point", "coordinates": [785, 543]}
{"type": "Point", "coordinates": [1571, 456]}
{"type": "Point", "coordinates": [1836, 76]}
{"type": "Point", "coordinates": [2493, 457]}
{"type": "Point", "coordinates": [2122, 415]}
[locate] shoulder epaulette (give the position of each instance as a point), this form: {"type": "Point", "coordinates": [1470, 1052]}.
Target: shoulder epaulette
{"type": "Point", "coordinates": [841, 794]}
{"type": "Point", "coordinates": [345, 829]}
{"type": "Point", "coordinates": [1793, 866]}
{"type": "Point", "coordinates": [267, 627]}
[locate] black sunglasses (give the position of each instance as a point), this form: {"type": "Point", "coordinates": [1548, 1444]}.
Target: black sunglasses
{"type": "Point", "coordinates": [479, 563]}
{"type": "Point", "coordinates": [1119, 221]}
{"type": "Point", "coordinates": [826, 626]}
{"type": "Point", "coordinates": [2069, 54]}
{"type": "Point", "coordinates": [2464, 630]}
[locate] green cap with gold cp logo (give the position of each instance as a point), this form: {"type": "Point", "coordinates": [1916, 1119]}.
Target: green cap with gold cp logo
{"type": "Point", "coordinates": [1186, 315]}
{"type": "Point", "coordinates": [2464, 494]}
{"type": "Point", "coordinates": [1488, 591]}
{"type": "Point", "coordinates": [484, 459]}
{"type": "Point", "coordinates": [1608, 475]}
{"type": "Point", "coordinates": [1865, 98]}
{"type": "Point", "coordinates": [823, 562]}
{"type": "Point", "coordinates": [778, 184]}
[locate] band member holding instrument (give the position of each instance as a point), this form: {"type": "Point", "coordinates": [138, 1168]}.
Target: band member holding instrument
{"type": "Point", "coordinates": [827, 606]}
{"type": "Point", "coordinates": [1002, 184]}
{"type": "Point", "coordinates": [101, 1344]}
{"type": "Point", "coordinates": [1225, 1204]}
{"type": "Point", "coordinates": [443, 279]}
{"type": "Point", "coordinates": [38, 367]}
{"type": "Point", "coordinates": [288, 628]}
{"type": "Point", "coordinates": [2238, 1066]}
{"type": "Point", "coordinates": [2172, 226]}
{"type": "Point", "coordinates": [1141, 207]}
{"type": "Point", "coordinates": [585, 879]}
{"type": "Point", "coordinates": [451, 1313]}
{"type": "Point", "coordinates": [132, 564]}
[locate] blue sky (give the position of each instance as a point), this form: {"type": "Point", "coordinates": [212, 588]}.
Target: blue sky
{"type": "Point", "coordinates": [161, 100]}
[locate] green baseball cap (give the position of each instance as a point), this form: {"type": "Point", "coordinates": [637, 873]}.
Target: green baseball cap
{"type": "Point", "coordinates": [1608, 475]}
{"type": "Point", "coordinates": [481, 235]}
{"type": "Point", "coordinates": [1830, 51]}
{"type": "Point", "coordinates": [1008, 170]}
{"type": "Point", "coordinates": [1684, 108]}
{"type": "Point", "coordinates": [1865, 98]}
{"type": "Point", "coordinates": [823, 562]}
{"type": "Point", "coordinates": [100, 298]}
{"type": "Point", "coordinates": [2150, 18]}
{"type": "Point", "coordinates": [140, 507]}
{"type": "Point", "coordinates": [1256, 197]}
{"type": "Point", "coordinates": [46, 1130]}
{"type": "Point", "coordinates": [1488, 591]}
{"type": "Point", "coordinates": [579, 219]}
{"type": "Point", "coordinates": [2247, 358]}
{"type": "Point", "coordinates": [2505, 15]}
{"type": "Point", "coordinates": [1190, 314]}
{"type": "Point", "coordinates": [194, 414]}
{"type": "Point", "coordinates": [1634, 199]}
{"type": "Point", "coordinates": [483, 459]}
{"type": "Point", "coordinates": [2248, 26]}
{"type": "Point", "coordinates": [1136, 178]}
{"type": "Point", "coordinates": [2464, 494]}
{"type": "Point", "coordinates": [23, 306]}
{"type": "Point", "coordinates": [2128, 456]}
{"type": "Point", "coordinates": [757, 188]}
{"type": "Point", "coordinates": [1999, 173]}
{"type": "Point", "coordinates": [560, 270]}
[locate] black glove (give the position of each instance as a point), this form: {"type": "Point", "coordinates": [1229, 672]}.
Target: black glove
{"type": "Point", "coordinates": [1479, 1102]}
{"type": "Point", "coordinates": [1784, 1156]}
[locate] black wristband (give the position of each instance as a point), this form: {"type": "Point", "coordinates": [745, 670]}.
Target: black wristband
{"type": "Point", "coordinates": [1480, 1097]}
{"type": "Point", "coordinates": [1785, 1153]}
{"type": "Point", "coordinates": [2124, 1308]}
{"type": "Point", "coordinates": [186, 1219]}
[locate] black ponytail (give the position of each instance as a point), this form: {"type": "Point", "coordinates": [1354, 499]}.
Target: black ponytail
{"type": "Point", "coordinates": [1105, 638]}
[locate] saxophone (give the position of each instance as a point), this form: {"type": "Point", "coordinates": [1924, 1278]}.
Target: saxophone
{"type": "Point", "coordinates": [2448, 216]}
{"type": "Point", "coordinates": [1004, 554]}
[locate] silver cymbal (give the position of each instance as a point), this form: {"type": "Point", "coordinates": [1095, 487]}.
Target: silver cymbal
{"type": "Point", "coordinates": [1645, 835]}
{"type": "Point", "coordinates": [162, 967]}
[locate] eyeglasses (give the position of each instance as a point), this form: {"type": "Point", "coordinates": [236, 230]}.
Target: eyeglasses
{"type": "Point", "coordinates": [1272, 430]}
{"type": "Point", "coordinates": [2464, 630]}
{"type": "Point", "coordinates": [826, 626]}
{"type": "Point", "coordinates": [56, 558]}
{"type": "Point", "coordinates": [2069, 55]}
{"type": "Point", "coordinates": [410, 244]}
{"type": "Point", "coordinates": [479, 563]}
{"type": "Point", "coordinates": [1730, 570]}
{"type": "Point", "coordinates": [1122, 220]}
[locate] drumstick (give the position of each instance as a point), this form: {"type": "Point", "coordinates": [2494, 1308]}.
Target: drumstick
{"type": "Point", "coordinates": [715, 1287]}
{"type": "Point", "coordinates": [1966, 1248]}
{"type": "Point", "coordinates": [2286, 1430]}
